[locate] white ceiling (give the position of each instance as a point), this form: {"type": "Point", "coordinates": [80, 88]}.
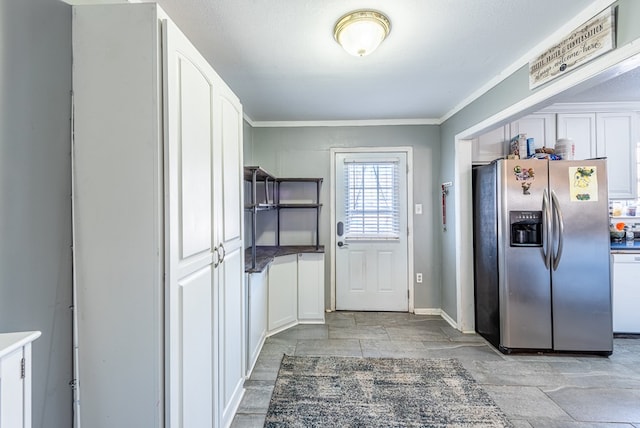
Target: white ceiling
{"type": "Point", "coordinates": [280, 58]}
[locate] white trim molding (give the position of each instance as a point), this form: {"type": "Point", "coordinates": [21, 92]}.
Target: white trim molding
{"type": "Point", "coordinates": [428, 311]}
{"type": "Point", "coordinates": [593, 107]}
{"type": "Point", "coordinates": [445, 316]}
{"type": "Point", "coordinates": [338, 123]}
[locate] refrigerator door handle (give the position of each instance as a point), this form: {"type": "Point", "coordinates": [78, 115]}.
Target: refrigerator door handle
{"type": "Point", "coordinates": [560, 224]}
{"type": "Point", "coordinates": [546, 233]}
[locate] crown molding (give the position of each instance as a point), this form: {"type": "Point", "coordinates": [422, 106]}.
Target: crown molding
{"type": "Point", "coordinates": [597, 107]}
{"type": "Point", "coordinates": [341, 123]}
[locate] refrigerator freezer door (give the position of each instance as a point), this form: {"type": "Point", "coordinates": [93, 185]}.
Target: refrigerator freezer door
{"type": "Point", "coordinates": [485, 248]}
{"type": "Point", "coordinates": [581, 287]}
{"type": "Point", "coordinates": [525, 289]}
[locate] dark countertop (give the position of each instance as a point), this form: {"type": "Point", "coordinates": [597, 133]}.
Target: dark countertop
{"type": "Point", "coordinates": [266, 254]}
{"type": "Point", "coordinates": [623, 247]}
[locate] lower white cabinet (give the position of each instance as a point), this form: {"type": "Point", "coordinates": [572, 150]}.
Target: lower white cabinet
{"type": "Point", "coordinates": [311, 288]}
{"type": "Point", "coordinates": [15, 379]}
{"type": "Point", "coordinates": [256, 315]}
{"type": "Point", "coordinates": [283, 292]}
{"type": "Point", "coordinates": [626, 293]}
{"type": "Point", "coordinates": [289, 292]}
{"type": "Point", "coordinates": [296, 291]}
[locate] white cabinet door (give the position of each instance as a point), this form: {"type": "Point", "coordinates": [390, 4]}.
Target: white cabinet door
{"type": "Point", "coordinates": [626, 293]}
{"type": "Point", "coordinates": [611, 135]}
{"type": "Point", "coordinates": [490, 146]}
{"type": "Point", "coordinates": [311, 287]}
{"type": "Point", "coordinates": [283, 296]}
{"type": "Point", "coordinates": [256, 315]}
{"type": "Point", "coordinates": [15, 378]}
{"type": "Point", "coordinates": [616, 140]}
{"type": "Point", "coordinates": [540, 127]}
{"type": "Point", "coordinates": [12, 393]}
{"type": "Point", "coordinates": [228, 223]}
{"type": "Point", "coordinates": [581, 128]}
{"type": "Point", "coordinates": [190, 120]}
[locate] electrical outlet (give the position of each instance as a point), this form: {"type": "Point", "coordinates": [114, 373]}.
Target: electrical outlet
{"type": "Point", "coordinates": [418, 209]}
{"type": "Point", "coordinates": [419, 278]}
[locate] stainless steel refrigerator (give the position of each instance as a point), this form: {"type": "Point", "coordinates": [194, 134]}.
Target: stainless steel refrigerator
{"type": "Point", "coordinates": [541, 255]}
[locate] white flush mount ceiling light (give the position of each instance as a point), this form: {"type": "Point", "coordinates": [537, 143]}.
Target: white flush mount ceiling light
{"type": "Point", "coordinates": [361, 32]}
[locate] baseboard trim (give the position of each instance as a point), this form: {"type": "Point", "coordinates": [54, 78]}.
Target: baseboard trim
{"type": "Point", "coordinates": [427, 311]}
{"type": "Point", "coordinates": [449, 319]}
{"type": "Point", "coordinates": [253, 359]}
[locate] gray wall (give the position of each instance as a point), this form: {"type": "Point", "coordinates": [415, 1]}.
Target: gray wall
{"type": "Point", "coordinates": [247, 135]}
{"type": "Point", "coordinates": [513, 89]}
{"type": "Point", "coordinates": [35, 204]}
{"type": "Point", "coordinates": [304, 152]}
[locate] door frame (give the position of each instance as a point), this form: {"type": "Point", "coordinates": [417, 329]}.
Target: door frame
{"type": "Point", "coordinates": [332, 222]}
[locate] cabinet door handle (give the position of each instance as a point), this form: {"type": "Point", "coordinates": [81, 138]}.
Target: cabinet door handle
{"type": "Point", "coordinates": [216, 258]}
{"type": "Point", "coordinates": [224, 253]}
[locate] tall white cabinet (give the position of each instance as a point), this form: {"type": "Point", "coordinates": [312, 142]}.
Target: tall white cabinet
{"type": "Point", "coordinates": [158, 225]}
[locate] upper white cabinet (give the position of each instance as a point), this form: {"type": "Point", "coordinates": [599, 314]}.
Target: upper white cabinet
{"type": "Point", "coordinates": [158, 224]}
{"type": "Point", "coordinates": [616, 139]}
{"type": "Point", "coordinates": [540, 127]}
{"type": "Point", "coordinates": [581, 128]}
{"type": "Point", "coordinates": [491, 145]}
{"type": "Point", "coordinates": [613, 135]}
{"type": "Point", "coordinates": [598, 130]}
{"type": "Point", "coordinates": [495, 144]}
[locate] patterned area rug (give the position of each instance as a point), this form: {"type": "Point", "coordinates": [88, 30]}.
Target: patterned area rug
{"type": "Point", "coordinates": [379, 392]}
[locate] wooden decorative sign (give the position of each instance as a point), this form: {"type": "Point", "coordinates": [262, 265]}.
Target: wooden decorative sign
{"type": "Point", "coordinates": [594, 38]}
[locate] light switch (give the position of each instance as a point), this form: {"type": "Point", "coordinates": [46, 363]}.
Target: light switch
{"type": "Point", "coordinates": [418, 208]}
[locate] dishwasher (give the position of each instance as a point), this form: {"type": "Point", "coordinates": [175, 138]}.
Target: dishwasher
{"type": "Point", "coordinates": [626, 293]}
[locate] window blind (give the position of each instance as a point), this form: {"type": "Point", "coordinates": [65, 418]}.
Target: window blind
{"type": "Point", "coordinates": [372, 200]}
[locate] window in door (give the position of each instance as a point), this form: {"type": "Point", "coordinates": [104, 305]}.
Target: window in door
{"type": "Point", "coordinates": [372, 195]}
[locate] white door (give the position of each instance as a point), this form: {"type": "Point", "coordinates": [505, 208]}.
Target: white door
{"type": "Point", "coordinates": [189, 91]}
{"type": "Point", "coordinates": [231, 345]}
{"type": "Point", "coordinates": [371, 231]}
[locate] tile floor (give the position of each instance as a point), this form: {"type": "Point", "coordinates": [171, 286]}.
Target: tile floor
{"type": "Point", "coordinates": [533, 390]}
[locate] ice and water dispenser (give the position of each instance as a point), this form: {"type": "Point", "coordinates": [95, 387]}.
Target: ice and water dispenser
{"type": "Point", "coordinates": [526, 228]}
